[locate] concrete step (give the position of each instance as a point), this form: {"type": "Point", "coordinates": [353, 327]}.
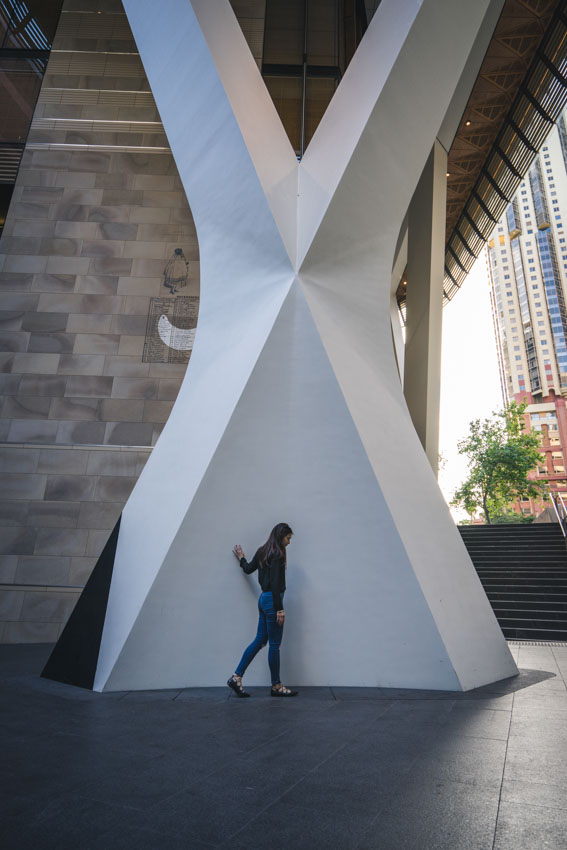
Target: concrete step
{"type": "Point", "coordinates": [523, 570]}
{"type": "Point", "coordinates": [508, 617]}
{"type": "Point", "coordinates": [525, 633]}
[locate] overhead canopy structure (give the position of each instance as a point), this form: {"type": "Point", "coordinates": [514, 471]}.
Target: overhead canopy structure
{"type": "Point", "coordinates": [518, 95]}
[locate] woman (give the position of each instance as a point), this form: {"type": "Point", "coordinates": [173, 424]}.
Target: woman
{"type": "Point", "coordinates": [270, 561]}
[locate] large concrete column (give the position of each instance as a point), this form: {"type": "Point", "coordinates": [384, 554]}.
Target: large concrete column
{"type": "Point", "coordinates": [426, 252]}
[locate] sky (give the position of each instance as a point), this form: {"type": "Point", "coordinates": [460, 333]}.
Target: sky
{"type": "Point", "coordinates": [470, 384]}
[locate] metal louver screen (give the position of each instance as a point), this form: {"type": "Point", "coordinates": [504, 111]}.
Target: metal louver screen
{"type": "Point", "coordinates": [537, 107]}
{"type": "Point", "coordinates": [10, 156]}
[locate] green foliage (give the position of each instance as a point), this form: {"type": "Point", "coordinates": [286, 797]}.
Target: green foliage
{"type": "Point", "coordinates": [501, 454]}
{"type": "Point", "coordinates": [511, 517]}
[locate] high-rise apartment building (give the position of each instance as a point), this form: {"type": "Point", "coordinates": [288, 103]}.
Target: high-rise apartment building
{"type": "Point", "coordinates": [527, 257]}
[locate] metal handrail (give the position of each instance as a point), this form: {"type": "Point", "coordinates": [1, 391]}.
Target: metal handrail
{"type": "Point", "coordinates": [562, 520]}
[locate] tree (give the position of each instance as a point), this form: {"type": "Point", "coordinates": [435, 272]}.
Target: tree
{"type": "Point", "coordinates": [501, 454]}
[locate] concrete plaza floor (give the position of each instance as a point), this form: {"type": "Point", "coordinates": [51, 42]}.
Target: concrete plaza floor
{"type": "Point", "coordinates": [363, 769]}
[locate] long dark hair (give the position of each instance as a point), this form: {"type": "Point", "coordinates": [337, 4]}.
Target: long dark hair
{"type": "Point", "coordinates": [274, 545]}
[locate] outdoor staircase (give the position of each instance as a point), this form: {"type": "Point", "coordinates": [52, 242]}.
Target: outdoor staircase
{"type": "Point", "coordinates": [523, 569]}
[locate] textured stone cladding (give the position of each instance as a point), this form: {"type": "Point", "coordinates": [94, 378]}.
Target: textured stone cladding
{"type": "Point", "coordinates": [97, 212]}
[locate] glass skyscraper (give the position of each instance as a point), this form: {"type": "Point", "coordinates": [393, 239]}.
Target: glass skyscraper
{"type": "Point", "coordinates": [527, 258]}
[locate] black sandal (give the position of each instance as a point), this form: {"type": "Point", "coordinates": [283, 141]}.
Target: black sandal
{"type": "Point", "coordinates": [283, 692]}
{"type": "Point", "coordinates": [237, 687]}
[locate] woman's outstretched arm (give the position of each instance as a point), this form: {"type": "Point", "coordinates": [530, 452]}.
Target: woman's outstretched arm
{"type": "Point", "coordinates": [247, 567]}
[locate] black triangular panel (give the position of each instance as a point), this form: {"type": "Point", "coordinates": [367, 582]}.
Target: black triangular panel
{"type": "Point", "coordinates": [75, 656]}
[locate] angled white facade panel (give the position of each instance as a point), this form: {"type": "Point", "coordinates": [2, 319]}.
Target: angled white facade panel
{"type": "Point", "coordinates": [348, 574]}
{"type": "Point", "coordinates": [292, 401]}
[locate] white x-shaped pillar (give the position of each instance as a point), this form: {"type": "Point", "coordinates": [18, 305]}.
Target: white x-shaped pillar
{"type": "Point", "coordinates": [292, 408]}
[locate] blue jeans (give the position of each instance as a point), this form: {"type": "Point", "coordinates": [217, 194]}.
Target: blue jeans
{"type": "Point", "coordinates": [268, 630]}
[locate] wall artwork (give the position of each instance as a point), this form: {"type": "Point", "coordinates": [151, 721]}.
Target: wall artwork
{"type": "Point", "coordinates": [170, 331]}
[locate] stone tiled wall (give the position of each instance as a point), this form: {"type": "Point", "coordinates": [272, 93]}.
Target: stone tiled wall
{"type": "Point", "coordinates": [97, 211]}
{"type": "Point", "coordinates": [58, 506]}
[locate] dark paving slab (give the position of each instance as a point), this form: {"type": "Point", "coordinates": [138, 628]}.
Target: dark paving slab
{"type": "Point", "coordinates": [542, 760]}
{"type": "Point", "coordinates": [469, 761]}
{"type": "Point", "coordinates": [145, 696]}
{"type": "Point", "coordinates": [282, 826]}
{"type": "Point", "coordinates": [534, 794]}
{"type": "Point", "coordinates": [472, 723]}
{"type": "Point", "coordinates": [522, 827]}
{"type": "Point", "coordinates": [353, 768]}
{"type": "Point", "coordinates": [207, 694]}
{"type": "Point", "coordinates": [435, 815]}
{"type": "Point", "coordinates": [124, 838]}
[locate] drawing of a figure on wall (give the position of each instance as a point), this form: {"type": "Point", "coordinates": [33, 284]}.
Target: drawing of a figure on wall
{"type": "Point", "coordinates": [176, 272]}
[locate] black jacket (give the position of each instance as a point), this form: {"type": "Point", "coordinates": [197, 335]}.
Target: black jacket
{"type": "Point", "coordinates": [271, 576]}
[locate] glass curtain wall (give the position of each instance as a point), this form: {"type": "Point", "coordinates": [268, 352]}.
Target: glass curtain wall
{"type": "Point", "coordinates": [514, 229]}
{"type": "Point", "coordinates": [550, 271]}
{"type": "Point", "coordinates": [26, 34]}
